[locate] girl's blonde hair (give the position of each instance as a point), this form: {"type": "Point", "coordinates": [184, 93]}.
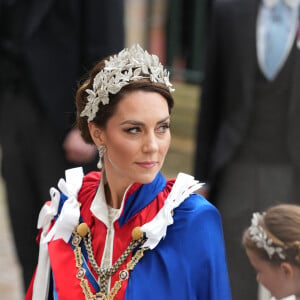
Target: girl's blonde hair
{"type": "Point", "coordinates": [279, 228]}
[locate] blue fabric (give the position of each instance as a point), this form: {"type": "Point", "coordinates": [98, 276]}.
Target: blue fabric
{"type": "Point", "coordinates": [189, 263]}
{"type": "Point", "coordinates": [62, 200]}
{"type": "Point", "coordinates": [141, 198]}
{"type": "Point", "coordinates": [277, 28]}
{"type": "Point", "coordinates": [55, 297]}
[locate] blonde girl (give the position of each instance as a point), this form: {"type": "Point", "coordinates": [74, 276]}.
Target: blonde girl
{"type": "Point", "coordinates": [272, 244]}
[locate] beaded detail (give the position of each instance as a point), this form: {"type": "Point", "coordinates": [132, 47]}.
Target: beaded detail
{"type": "Point", "coordinates": [104, 273]}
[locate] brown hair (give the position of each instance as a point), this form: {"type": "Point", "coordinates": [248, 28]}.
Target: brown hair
{"type": "Point", "coordinates": [282, 225]}
{"type": "Point", "coordinates": [106, 111]}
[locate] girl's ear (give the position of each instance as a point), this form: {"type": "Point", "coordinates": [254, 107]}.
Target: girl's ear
{"type": "Point", "coordinates": [96, 133]}
{"type": "Point", "coordinates": [287, 270]}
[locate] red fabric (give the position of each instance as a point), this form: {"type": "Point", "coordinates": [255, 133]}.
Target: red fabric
{"type": "Point", "coordinates": [62, 256]}
{"type": "Point", "coordinates": [29, 292]}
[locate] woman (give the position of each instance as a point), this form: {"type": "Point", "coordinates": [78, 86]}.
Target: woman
{"type": "Point", "coordinates": [126, 232]}
{"type": "Point", "coordinates": [272, 244]}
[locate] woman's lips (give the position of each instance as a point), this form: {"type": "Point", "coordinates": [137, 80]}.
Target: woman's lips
{"type": "Point", "coordinates": [147, 164]}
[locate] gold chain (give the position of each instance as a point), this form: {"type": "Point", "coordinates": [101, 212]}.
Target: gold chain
{"type": "Point", "coordinates": [123, 274]}
{"type": "Point", "coordinates": [105, 273]}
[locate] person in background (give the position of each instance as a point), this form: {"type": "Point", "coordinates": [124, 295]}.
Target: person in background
{"type": "Point", "coordinates": [248, 146]}
{"type": "Point", "coordinates": [272, 244]}
{"type": "Point", "coordinates": [44, 48]}
{"type": "Point", "coordinates": [127, 232]}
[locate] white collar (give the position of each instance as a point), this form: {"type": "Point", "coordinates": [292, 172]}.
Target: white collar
{"type": "Point", "coordinates": [290, 3]}
{"type": "Point", "coordinates": [156, 229]}
{"type": "Point", "coordinates": [99, 204]}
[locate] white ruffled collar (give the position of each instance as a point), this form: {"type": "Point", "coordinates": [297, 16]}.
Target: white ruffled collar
{"type": "Point", "coordinates": [156, 229]}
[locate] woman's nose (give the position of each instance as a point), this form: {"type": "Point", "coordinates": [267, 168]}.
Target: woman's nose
{"type": "Point", "coordinates": [150, 143]}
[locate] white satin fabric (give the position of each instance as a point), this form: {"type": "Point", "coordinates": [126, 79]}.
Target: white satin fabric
{"type": "Point", "coordinates": [62, 229]}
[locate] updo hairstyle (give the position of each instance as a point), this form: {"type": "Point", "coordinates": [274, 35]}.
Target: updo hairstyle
{"type": "Point", "coordinates": [105, 112]}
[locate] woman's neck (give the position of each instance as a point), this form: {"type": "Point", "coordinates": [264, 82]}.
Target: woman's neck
{"type": "Point", "coordinates": [114, 190]}
{"type": "Point", "coordinates": [114, 196]}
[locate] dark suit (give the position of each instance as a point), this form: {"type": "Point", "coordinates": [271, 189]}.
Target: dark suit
{"type": "Point", "coordinates": [230, 156]}
{"type": "Point", "coordinates": [46, 47]}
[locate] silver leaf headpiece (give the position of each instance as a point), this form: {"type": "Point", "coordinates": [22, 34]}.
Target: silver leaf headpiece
{"type": "Point", "coordinates": [121, 69]}
{"type": "Point", "coordinates": [261, 239]}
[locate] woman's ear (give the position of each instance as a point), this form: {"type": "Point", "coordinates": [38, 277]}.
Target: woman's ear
{"type": "Point", "coordinates": [96, 133]}
{"type": "Point", "coordinates": [287, 270]}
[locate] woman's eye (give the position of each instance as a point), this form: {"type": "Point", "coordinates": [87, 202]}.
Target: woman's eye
{"type": "Point", "coordinates": [163, 128]}
{"type": "Point", "coordinates": [133, 130]}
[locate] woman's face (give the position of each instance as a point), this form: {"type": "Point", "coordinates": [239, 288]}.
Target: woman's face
{"type": "Point", "coordinates": [137, 138]}
{"type": "Point", "coordinates": [272, 277]}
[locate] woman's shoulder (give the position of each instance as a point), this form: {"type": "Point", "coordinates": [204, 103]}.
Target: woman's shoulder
{"type": "Point", "coordinates": [89, 187]}
{"type": "Point", "coordinates": [91, 178]}
{"type": "Point", "coordinates": [194, 203]}
{"type": "Point", "coordinates": [198, 217]}
{"type": "Point", "coordinates": [197, 205]}
{"type": "Point", "coordinates": [90, 182]}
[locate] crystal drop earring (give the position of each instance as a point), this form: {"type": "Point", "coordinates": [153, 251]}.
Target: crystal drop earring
{"type": "Point", "coordinates": [101, 150]}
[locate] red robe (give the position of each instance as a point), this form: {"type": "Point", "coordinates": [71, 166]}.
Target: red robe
{"type": "Point", "coordinates": [61, 254]}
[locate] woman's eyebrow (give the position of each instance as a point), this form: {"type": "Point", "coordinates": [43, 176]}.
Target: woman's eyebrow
{"type": "Point", "coordinates": [140, 123]}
